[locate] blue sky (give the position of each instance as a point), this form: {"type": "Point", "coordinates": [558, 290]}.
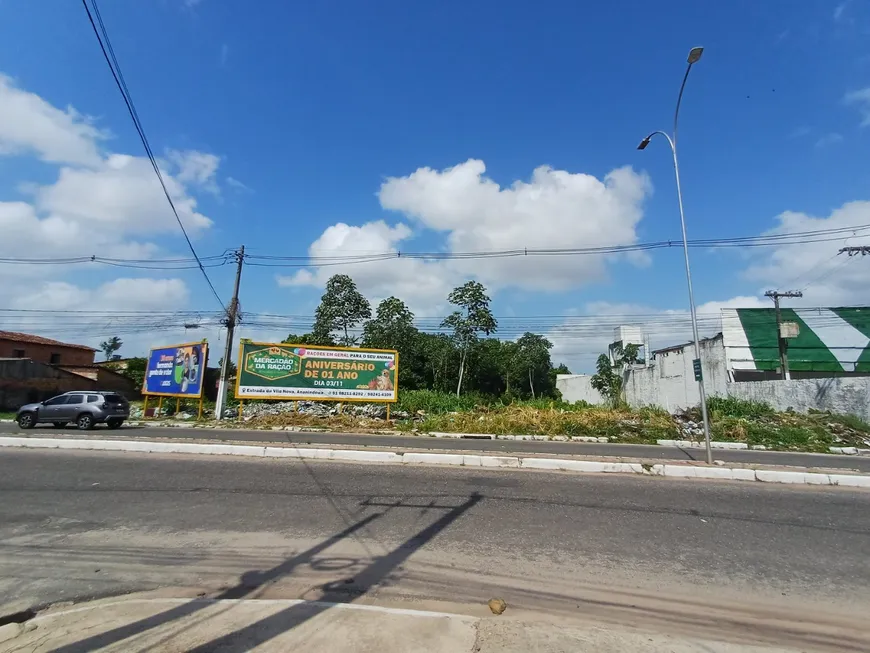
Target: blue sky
{"type": "Point", "coordinates": [280, 121]}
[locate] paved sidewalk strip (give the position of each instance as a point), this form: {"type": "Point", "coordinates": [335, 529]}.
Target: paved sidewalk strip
{"type": "Point", "coordinates": [790, 476]}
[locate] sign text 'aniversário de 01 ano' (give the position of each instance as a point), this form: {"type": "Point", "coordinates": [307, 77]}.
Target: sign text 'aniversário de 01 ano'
{"type": "Point", "coordinates": [287, 371]}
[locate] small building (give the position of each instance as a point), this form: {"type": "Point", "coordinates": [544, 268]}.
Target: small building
{"type": "Point", "coordinates": [44, 350]}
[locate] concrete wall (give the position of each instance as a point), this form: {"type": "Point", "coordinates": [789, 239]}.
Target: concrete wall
{"type": "Point", "coordinates": [23, 381]}
{"type": "Point", "coordinates": [578, 387]}
{"type": "Point", "coordinates": [669, 381]}
{"type": "Point", "coordinates": [848, 395]}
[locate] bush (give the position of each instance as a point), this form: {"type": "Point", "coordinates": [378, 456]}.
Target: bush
{"type": "Point", "coordinates": [733, 407]}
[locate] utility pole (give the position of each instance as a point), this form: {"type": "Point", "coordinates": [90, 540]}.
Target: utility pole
{"type": "Point", "coordinates": [863, 250]}
{"type": "Point", "coordinates": [230, 322]}
{"type": "Point", "coordinates": [783, 343]}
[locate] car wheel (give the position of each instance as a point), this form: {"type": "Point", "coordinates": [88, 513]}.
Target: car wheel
{"type": "Point", "coordinates": [27, 420]}
{"type": "Point", "coordinates": [114, 423]}
{"type": "Point", "coordinates": [85, 422]}
{"type": "Point", "coordinates": [59, 425]}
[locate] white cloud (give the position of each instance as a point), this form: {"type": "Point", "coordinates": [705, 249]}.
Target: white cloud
{"type": "Point", "coordinates": [196, 168]}
{"type": "Point", "coordinates": [829, 139]}
{"type": "Point", "coordinates": [825, 277]}
{"type": "Point", "coordinates": [130, 301]}
{"type": "Point", "coordinates": [839, 9]}
{"type": "Point", "coordinates": [97, 206]}
{"type": "Point", "coordinates": [123, 194]}
{"type": "Point", "coordinates": [30, 125]}
{"type": "Point", "coordinates": [424, 285]}
{"type": "Point", "coordinates": [579, 340]}
{"type": "Point", "coordinates": [124, 294]}
{"type": "Point", "coordinates": [238, 185]}
{"type": "Point", "coordinates": [861, 99]}
{"type": "Point", "coordinates": [554, 209]}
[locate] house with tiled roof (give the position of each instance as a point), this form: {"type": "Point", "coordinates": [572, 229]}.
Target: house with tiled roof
{"type": "Point", "coordinates": [44, 350]}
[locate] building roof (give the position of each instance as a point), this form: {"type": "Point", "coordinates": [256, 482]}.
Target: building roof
{"type": "Point", "coordinates": [665, 350]}
{"type": "Point", "coordinates": [31, 339]}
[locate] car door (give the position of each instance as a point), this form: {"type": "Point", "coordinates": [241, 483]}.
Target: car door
{"type": "Point", "coordinates": [51, 409]}
{"type": "Point", "coordinates": [70, 410]}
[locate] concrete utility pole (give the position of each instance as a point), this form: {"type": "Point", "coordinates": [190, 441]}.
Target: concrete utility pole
{"type": "Point", "coordinates": [863, 250]}
{"type": "Point", "coordinates": [783, 343]}
{"type": "Point", "coordinates": [230, 322]}
{"type": "Point", "coordinates": [693, 58]}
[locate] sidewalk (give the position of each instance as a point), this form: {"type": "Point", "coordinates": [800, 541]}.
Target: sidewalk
{"type": "Point", "coordinates": [373, 455]}
{"type": "Point", "coordinates": [136, 624]}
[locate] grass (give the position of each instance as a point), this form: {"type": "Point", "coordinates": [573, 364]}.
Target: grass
{"type": "Point", "coordinates": [523, 419]}
{"type": "Point", "coordinates": [7, 415]}
{"type": "Point", "coordinates": [733, 407]}
{"type": "Point", "coordinates": [732, 420]}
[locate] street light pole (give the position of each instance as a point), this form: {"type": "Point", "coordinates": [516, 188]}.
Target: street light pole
{"type": "Point", "coordinates": [694, 57]}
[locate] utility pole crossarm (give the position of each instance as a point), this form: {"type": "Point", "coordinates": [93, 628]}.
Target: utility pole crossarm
{"type": "Point", "coordinates": [863, 250]}
{"type": "Point", "coordinates": [775, 295]}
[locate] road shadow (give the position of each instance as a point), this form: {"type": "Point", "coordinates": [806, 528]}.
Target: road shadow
{"type": "Point", "coordinates": [248, 583]}
{"type": "Point", "coordinates": [377, 573]}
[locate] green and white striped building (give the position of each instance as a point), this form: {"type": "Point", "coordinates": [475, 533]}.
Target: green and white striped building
{"type": "Point", "coordinates": [832, 341]}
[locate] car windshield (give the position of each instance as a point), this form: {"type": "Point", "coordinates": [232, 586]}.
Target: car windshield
{"type": "Point", "coordinates": [114, 398]}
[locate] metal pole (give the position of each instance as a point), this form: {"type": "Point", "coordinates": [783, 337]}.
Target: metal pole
{"type": "Point", "coordinates": [673, 143]}
{"type": "Point", "coordinates": [232, 318]}
{"type": "Point", "coordinates": [701, 390]}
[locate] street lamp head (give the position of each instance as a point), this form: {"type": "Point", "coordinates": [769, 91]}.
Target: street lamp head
{"type": "Point", "coordinates": [643, 143]}
{"type": "Point", "coordinates": [695, 55]}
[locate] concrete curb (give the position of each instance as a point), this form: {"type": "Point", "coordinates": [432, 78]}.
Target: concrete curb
{"type": "Point", "coordinates": [451, 459]}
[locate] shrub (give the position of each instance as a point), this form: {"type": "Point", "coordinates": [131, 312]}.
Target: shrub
{"type": "Point", "coordinates": [733, 407]}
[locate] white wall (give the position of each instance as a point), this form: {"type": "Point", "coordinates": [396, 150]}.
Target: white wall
{"type": "Point", "coordinates": [848, 395]}
{"type": "Point", "coordinates": [578, 387]}
{"type": "Point", "coordinates": [669, 382]}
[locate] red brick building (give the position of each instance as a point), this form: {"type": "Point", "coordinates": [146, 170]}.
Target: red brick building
{"type": "Point", "coordinates": [44, 350]}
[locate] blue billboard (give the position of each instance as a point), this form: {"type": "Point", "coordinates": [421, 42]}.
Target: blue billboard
{"type": "Point", "coordinates": [176, 371]}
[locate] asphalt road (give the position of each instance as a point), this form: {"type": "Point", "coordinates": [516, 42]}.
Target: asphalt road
{"type": "Point", "coordinates": [691, 555]}
{"type": "Point", "coordinates": [858, 463]}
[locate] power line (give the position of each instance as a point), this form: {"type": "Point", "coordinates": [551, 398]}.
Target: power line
{"type": "Point", "coordinates": [115, 68]}
{"type": "Point", "coordinates": [303, 261]}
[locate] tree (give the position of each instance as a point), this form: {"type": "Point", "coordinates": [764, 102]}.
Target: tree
{"type": "Point", "coordinates": [533, 352]}
{"type": "Point", "coordinates": [231, 367]}
{"type": "Point", "coordinates": [507, 364]}
{"type": "Point", "coordinates": [438, 353]}
{"type": "Point", "coordinates": [342, 307]}
{"type": "Point", "coordinates": [608, 378]}
{"type": "Point", "coordinates": [305, 339]}
{"type": "Point", "coordinates": [472, 318]}
{"type": "Point", "coordinates": [393, 328]}
{"type": "Point", "coordinates": [134, 369]}
{"type": "Point", "coordinates": [110, 346]}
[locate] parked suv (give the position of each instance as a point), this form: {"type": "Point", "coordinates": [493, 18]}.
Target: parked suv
{"type": "Point", "coordinates": [84, 409]}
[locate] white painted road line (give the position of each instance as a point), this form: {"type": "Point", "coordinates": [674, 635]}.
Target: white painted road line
{"type": "Point", "coordinates": [789, 476]}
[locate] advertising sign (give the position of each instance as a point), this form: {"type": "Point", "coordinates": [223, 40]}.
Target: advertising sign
{"type": "Point", "coordinates": [176, 371]}
{"type": "Point", "coordinates": [285, 371]}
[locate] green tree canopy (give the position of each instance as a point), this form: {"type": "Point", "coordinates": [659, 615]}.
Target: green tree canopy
{"type": "Point", "coordinates": [342, 307]}
{"type": "Point", "coordinates": [473, 318]}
